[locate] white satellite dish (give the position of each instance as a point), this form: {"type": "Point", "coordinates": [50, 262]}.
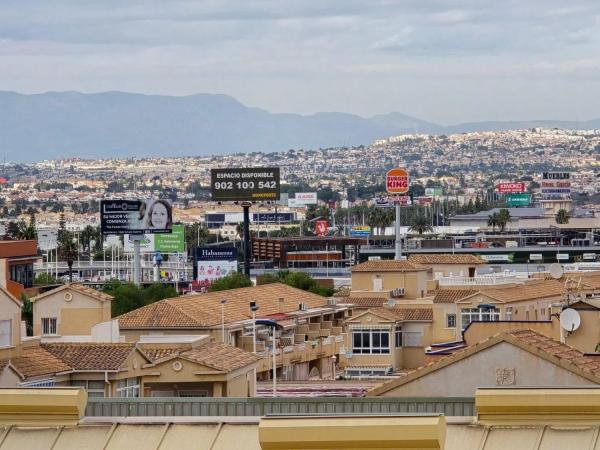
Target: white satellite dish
{"type": "Point", "coordinates": [569, 319]}
{"type": "Point", "coordinates": [391, 303]}
{"type": "Point", "coordinates": [556, 271]}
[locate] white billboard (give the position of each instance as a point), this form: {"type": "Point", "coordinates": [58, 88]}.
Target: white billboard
{"type": "Point", "coordinates": [306, 198]}
{"type": "Point", "coordinates": [47, 239]}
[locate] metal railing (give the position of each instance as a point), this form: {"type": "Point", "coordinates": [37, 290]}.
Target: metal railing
{"type": "Point", "coordinates": [149, 407]}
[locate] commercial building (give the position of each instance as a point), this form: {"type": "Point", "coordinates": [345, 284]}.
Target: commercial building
{"type": "Point", "coordinates": [328, 252]}
{"type": "Point", "coordinates": [16, 265]}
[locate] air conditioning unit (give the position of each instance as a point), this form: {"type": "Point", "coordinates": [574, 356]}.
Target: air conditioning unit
{"type": "Point", "coordinates": [332, 301]}
{"type": "Point", "coordinates": [374, 258]}
{"type": "Point", "coordinates": [398, 292]}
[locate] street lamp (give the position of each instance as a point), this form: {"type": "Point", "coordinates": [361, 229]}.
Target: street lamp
{"type": "Point", "coordinates": [333, 360]}
{"type": "Point", "coordinates": [274, 326]}
{"type": "Point", "coordinates": [223, 301]}
{"type": "Point", "coordinates": [253, 308]}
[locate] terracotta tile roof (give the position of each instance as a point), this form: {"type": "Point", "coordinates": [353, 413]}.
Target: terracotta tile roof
{"type": "Point", "coordinates": [399, 314]}
{"type": "Point", "coordinates": [538, 344]}
{"type": "Point", "coordinates": [528, 291]}
{"type": "Point", "coordinates": [204, 310]}
{"type": "Point", "coordinates": [364, 302]}
{"type": "Point", "coordinates": [36, 361]}
{"type": "Point", "coordinates": [402, 314]}
{"type": "Point", "coordinates": [446, 258]}
{"type": "Point", "coordinates": [155, 353]}
{"type": "Point", "coordinates": [452, 295]}
{"type": "Point", "coordinates": [563, 352]}
{"type": "Point", "coordinates": [91, 356]}
{"type": "Point", "coordinates": [85, 290]}
{"type": "Point", "coordinates": [387, 265]}
{"type": "Point", "coordinates": [220, 356]}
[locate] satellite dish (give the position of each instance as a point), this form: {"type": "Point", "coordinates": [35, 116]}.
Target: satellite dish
{"type": "Point", "coordinates": [569, 319]}
{"type": "Point", "coordinates": [556, 271]}
{"type": "Point", "coordinates": [391, 303]}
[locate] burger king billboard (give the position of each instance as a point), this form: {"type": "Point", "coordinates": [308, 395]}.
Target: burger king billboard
{"type": "Point", "coordinates": [396, 181]}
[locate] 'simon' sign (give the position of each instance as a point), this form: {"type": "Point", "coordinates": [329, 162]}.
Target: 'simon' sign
{"type": "Point", "coordinates": [511, 188]}
{"type": "Point", "coordinates": [396, 181]}
{"type": "Point", "coordinates": [253, 184]}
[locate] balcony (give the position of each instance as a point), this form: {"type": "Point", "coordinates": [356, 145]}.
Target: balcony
{"type": "Point", "coordinates": [482, 280]}
{"type": "Point", "coordinates": [323, 347]}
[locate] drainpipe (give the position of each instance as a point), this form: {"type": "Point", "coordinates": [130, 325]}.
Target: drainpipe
{"type": "Point", "coordinates": [107, 382]}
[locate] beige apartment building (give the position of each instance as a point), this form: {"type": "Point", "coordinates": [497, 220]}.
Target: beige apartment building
{"type": "Point", "coordinates": [10, 324]}
{"type": "Point", "coordinates": [308, 341]}
{"type": "Point", "coordinates": [447, 264]}
{"type": "Point", "coordinates": [72, 309]}
{"type": "Point", "coordinates": [72, 349]}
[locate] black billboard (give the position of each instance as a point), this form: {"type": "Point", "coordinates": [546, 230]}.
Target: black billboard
{"type": "Point", "coordinates": [257, 184]}
{"type": "Point", "coordinates": [135, 216]}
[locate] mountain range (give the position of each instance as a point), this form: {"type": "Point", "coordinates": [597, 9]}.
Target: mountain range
{"type": "Point", "coordinates": [118, 124]}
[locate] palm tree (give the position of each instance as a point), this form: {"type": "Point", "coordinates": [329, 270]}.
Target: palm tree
{"type": "Point", "coordinates": [380, 218]}
{"type": "Point", "coordinates": [420, 223]}
{"type": "Point", "coordinates": [493, 221]}
{"type": "Point", "coordinates": [67, 250]}
{"type": "Point", "coordinates": [562, 216]}
{"type": "Point", "coordinates": [503, 218]}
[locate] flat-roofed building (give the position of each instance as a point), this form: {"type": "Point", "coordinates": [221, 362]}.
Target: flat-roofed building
{"type": "Point", "coordinates": [16, 265]}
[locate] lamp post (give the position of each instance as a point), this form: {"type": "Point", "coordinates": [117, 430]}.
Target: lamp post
{"type": "Point", "coordinates": [253, 308]}
{"type": "Point", "coordinates": [274, 326]}
{"type": "Point", "coordinates": [223, 301]}
{"type": "Point", "coordinates": [333, 360]}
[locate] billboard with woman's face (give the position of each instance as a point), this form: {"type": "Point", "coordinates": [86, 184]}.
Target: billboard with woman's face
{"type": "Point", "coordinates": [135, 216]}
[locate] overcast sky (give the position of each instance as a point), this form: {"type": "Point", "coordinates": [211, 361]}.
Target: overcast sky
{"type": "Point", "coordinates": [444, 61]}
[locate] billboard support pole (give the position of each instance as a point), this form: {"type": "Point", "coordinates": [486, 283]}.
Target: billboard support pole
{"type": "Point", "coordinates": [247, 247]}
{"type": "Point", "coordinates": [398, 247]}
{"type": "Point", "coordinates": [137, 260]}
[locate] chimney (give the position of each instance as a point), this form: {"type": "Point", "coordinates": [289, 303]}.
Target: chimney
{"type": "Point", "coordinates": [281, 305]}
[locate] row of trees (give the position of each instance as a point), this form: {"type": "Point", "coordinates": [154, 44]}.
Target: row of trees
{"type": "Point", "coordinates": [299, 280]}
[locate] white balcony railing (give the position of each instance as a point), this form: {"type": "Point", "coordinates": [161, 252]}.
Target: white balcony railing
{"type": "Point", "coordinates": [482, 280]}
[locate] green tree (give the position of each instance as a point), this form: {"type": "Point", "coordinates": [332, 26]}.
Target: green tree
{"type": "Point", "coordinates": [380, 218]}
{"type": "Point", "coordinates": [562, 216]}
{"type": "Point", "coordinates": [232, 281]}
{"type": "Point", "coordinates": [67, 249]}
{"type": "Point", "coordinates": [127, 296]}
{"type": "Point", "coordinates": [45, 279]}
{"type": "Point", "coordinates": [27, 313]}
{"type": "Point", "coordinates": [493, 221]}
{"type": "Point", "coordinates": [420, 222]}
{"type": "Point", "coordinates": [503, 218]}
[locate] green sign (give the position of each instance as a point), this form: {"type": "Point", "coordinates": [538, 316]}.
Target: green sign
{"type": "Point", "coordinates": [518, 199]}
{"type": "Point", "coordinates": [171, 243]}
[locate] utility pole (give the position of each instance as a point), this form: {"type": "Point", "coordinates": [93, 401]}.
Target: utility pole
{"type": "Point", "coordinates": [398, 247]}
{"type": "Point", "coordinates": [247, 246]}
{"type": "Point", "coordinates": [137, 263]}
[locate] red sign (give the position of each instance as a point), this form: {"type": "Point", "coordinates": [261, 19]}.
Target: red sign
{"type": "Point", "coordinates": [321, 227]}
{"type": "Point", "coordinates": [396, 181]}
{"type": "Point", "coordinates": [424, 200]}
{"type": "Point", "coordinates": [511, 188]}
